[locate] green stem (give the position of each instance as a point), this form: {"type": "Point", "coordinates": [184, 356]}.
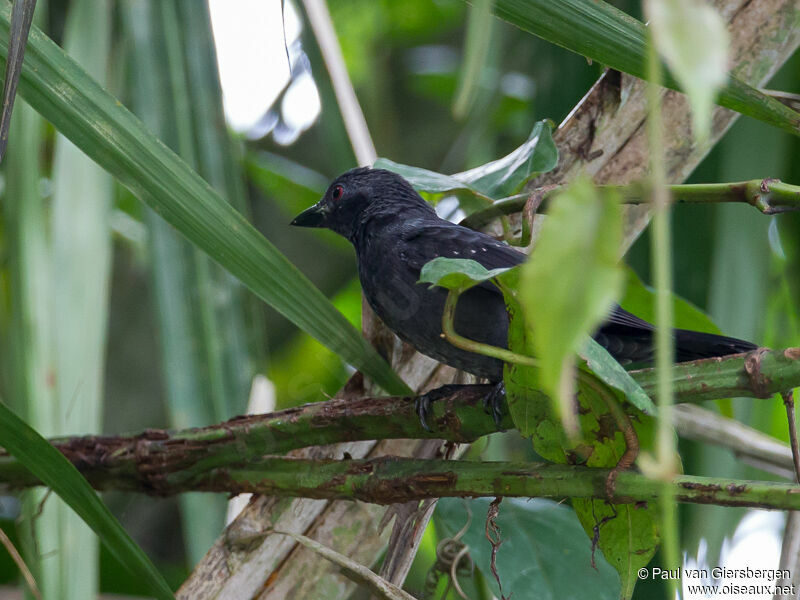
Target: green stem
{"type": "Point", "coordinates": [665, 350]}
{"type": "Point", "coordinates": [459, 341]}
{"type": "Point", "coordinates": [758, 374]}
{"type": "Point", "coordinates": [458, 417]}
{"type": "Point", "coordinates": [770, 196]}
{"type": "Point", "coordinates": [153, 454]}
{"type": "Point", "coordinates": [388, 480]}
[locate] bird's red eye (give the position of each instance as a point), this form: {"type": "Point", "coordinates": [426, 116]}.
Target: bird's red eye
{"type": "Point", "coordinates": [337, 192]}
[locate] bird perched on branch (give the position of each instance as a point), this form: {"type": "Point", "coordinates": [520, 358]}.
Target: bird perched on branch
{"type": "Point", "coordinates": [395, 232]}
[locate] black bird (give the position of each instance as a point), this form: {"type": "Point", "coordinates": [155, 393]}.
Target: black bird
{"type": "Point", "coordinates": [395, 232]}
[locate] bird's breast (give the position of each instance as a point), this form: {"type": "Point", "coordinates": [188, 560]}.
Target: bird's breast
{"type": "Point", "coordinates": [413, 311]}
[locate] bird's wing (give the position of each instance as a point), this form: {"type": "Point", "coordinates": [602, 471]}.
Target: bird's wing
{"type": "Point", "coordinates": [424, 241]}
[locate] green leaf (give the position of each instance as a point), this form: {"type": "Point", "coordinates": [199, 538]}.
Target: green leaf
{"type": "Point", "coordinates": [196, 304]}
{"type": "Point", "coordinates": [102, 128]}
{"type": "Point", "coordinates": [693, 40]}
{"type": "Point", "coordinates": [506, 176]}
{"type": "Point", "coordinates": [639, 299]}
{"type": "Point", "coordinates": [494, 180]}
{"type": "Point", "coordinates": [304, 355]}
{"type": "Point", "coordinates": [572, 279]}
{"type": "Point", "coordinates": [26, 356]}
{"type": "Point", "coordinates": [424, 180]}
{"type": "Point", "coordinates": [457, 273]}
{"type": "Point", "coordinates": [241, 335]}
{"type": "Point", "coordinates": [295, 186]}
{"type": "Point", "coordinates": [81, 280]}
{"type": "Point", "coordinates": [628, 534]}
{"type": "Point", "coordinates": [55, 471]}
{"type": "Point", "coordinates": [530, 408]}
{"type": "Point", "coordinates": [602, 364]}
{"type": "Point", "coordinates": [544, 553]}
{"type": "Point", "coordinates": [21, 21]}
{"type": "Point", "coordinates": [605, 34]}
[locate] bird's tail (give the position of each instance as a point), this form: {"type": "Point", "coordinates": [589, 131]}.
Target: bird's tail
{"type": "Point", "coordinates": [693, 345]}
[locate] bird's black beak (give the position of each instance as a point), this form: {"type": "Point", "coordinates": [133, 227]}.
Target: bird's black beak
{"type": "Point", "coordinates": [311, 217]}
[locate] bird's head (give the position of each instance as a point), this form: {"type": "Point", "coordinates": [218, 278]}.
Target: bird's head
{"type": "Point", "coordinates": [359, 194]}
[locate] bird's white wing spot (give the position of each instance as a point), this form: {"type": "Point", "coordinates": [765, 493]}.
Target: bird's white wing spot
{"type": "Point", "coordinates": [455, 252]}
{"type": "Point", "coordinates": [472, 250]}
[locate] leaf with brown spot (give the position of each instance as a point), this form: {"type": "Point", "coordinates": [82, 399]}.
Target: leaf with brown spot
{"type": "Point", "coordinates": [628, 538]}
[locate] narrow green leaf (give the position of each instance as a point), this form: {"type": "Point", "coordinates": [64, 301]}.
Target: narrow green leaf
{"type": "Point", "coordinates": [158, 88]}
{"type": "Point", "coordinates": [179, 105]}
{"type": "Point", "coordinates": [571, 280]}
{"type": "Point", "coordinates": [602, 364]}
{"type": "Point", "coordinates": [27, 348]}
{"type": "Point", "coordinates": [603, 33]}
{"type": "Point", "coordinates": [21, 21]}
{"type": "Point", "coordinates": [457, 273]}
{"type": "Point", "coordinates": [55, 471]}
{"type": "Point", "coordinates": [100, 126]}
{"type": "Point", "coordinates": [494, 180]}
{"type": "Point", "coordinates": [219, 162]}
{"type": "Point", "coordinates": [286, 180]}
{"type": "Point", "coordinates": [81, 257]}
{"type": "Point", "coordinates": [544, 552]}
{"type": "Point", "coordinates": [476, 51]}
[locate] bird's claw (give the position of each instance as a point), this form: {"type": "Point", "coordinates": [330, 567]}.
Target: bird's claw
{"type": "Point", "coordinates": [494, 403]}
{"type": "Point", "coordinates": [423, 406]}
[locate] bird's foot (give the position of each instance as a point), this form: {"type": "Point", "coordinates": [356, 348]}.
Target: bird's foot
{"type": "Point", "coordinates": [494, 403]}
{"type": "Point", "coordinates": [423, 405]}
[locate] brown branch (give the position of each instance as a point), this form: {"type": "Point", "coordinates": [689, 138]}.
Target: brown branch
{"type": "Point", "coordinates": [746, 443]}
{"type": "Point", "coordinates": [391, 479]}
{"type": "Point", "coordinates": [145, 461]}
